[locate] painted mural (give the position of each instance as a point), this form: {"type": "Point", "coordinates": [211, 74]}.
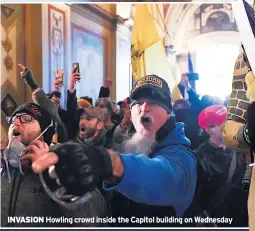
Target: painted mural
{"type": "Point", "coordinates": [89, 51]}
{"type": "Point", "coordinates": [57, 43]}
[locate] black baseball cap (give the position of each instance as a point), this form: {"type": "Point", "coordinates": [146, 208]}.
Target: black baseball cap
{"type": "Point", "coordinates": [154, 89]}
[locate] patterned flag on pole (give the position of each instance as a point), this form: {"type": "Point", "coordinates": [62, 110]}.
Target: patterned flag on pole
{"type": "Point", "coordinates": [245, 20]}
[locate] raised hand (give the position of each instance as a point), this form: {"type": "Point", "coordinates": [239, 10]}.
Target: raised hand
{"type": "Point", "coordinates": [35, 150]}
{"type": "Point", "coordinates": [59, 80]}
{"type": "Point", "coordinates": [185, 81]}
{"type": "Point", "coordinates": [108, 83]}
{"type": "Point", "coordinates": [74, 77]}
{"type": "Point", "coordinates": [27, 75]}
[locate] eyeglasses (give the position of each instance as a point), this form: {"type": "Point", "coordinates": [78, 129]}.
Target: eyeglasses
{"type": "Point", "coordinates": [24, 118]}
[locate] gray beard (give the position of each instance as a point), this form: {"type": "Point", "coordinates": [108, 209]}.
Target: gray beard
{"type": "Point", "coordinates": [139, 144]}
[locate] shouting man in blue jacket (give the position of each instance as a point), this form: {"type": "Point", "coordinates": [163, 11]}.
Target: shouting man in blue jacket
{"type": "Point", "coordinates": [156, 173]}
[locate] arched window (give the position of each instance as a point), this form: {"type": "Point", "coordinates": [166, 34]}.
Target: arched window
{"type": "Point", "coordinates": [217, 19]}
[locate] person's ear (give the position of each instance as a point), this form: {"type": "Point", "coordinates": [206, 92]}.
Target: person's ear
{"type": "Point", "coordinates": [100, 126]}
{"type": "Point", "coordinates": [208, 130]}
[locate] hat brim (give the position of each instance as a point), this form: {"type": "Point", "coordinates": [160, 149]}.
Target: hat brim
{"type": "Point", "coordinates": [99, 117]}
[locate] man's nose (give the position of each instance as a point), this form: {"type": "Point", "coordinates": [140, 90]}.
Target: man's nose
{"type": "Point", "coordinates": [145, 107]}
{"type": "Point", "coordinates": [16, 121]}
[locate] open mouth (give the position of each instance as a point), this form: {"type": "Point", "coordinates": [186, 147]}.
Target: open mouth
{"type": "Point", "coordinates": [146, 121]}
{"type": "Point", "coordinates": [82, 128]}
{"type": "Point", "coordinates": [16, 133]}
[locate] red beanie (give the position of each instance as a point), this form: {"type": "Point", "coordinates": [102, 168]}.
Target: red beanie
{"type": "Point", "coordinates": [212, 115]}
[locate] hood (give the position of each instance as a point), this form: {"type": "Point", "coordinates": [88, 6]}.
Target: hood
{"type": "Point", "coordinates": [176, 137]}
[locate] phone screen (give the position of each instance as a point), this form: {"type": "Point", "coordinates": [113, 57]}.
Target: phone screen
{"type": "Point", "coordinates": [76, 67]}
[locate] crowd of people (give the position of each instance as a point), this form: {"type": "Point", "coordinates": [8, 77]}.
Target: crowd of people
{"type": "Point", "coordinates": [142, 157]}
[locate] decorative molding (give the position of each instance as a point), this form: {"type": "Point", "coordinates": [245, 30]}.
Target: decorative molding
{"type": "Point", "coordinates": [7, 83]}
{"type": "Point", "coordinates": [121, 24]}
{"type": "Point", "coordinates": [7, 11]}
{"type": "Point", "coordinates": [61, 30]}
{"type": "Point", "coordinates": [8, 104]}
{"type": "Point", "coordinates": [8, 88]}
{"type": "Point", "coordinates": [94, 13]}
{"type": "Point", "coordinates": [14, 18]}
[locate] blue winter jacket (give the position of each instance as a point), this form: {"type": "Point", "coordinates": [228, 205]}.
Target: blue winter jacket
{"type": "Point", "coordinates": [166, 179]}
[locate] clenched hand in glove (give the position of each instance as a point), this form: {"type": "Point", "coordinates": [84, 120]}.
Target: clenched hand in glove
{"type": "Point", "coordinates": [78, 167]}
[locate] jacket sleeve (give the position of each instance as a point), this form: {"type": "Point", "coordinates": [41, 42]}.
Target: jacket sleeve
{"type": "Point", "coordinates": [104, 92]}
{"type": "Point", "coordinates": [41, 98]}
{"type": "Point", "coordinates": [164, 180]}
{"type": "Point", "coordinates": [94, 207]}
{"type": "Point", "coordinates": [71, 103]}
{"type": "Point", "coordinates": [72, 115]}
{"type": "Point", "coordinates": [194, 100]}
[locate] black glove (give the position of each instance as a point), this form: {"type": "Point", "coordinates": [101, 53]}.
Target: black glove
{"type": "Point", "coordinates": [28, 76]}
{"type": "Point", "coordinates": [80, 166]}
{"type": "Point", "coordinates": [249, 130]}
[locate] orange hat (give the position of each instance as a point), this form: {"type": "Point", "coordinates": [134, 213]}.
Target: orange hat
{"type": "Point", "coordinates": [84, 102]}
{"type": "Point", "coordinates": [212, 115]}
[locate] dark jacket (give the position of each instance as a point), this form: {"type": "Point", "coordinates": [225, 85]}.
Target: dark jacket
{"type": "Point", "coordinates": [190, 120]}
{"type": "Point", "coordinates": [215, 163]}
{"type": "Point", "coordinates": [72, 113]}
{"type": "Point", "coordinates": [25, 197]}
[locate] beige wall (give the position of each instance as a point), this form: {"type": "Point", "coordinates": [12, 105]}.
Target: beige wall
{"type": "Point", "coordinates": [33, 38]}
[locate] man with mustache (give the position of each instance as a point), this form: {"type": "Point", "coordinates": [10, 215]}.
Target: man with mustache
{"type": "Point", "coordinates": [158, 182]}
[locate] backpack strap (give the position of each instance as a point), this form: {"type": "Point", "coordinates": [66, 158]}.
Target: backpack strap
{"type": "Point", "coordinates": [222, 192]}
{"type": "Point", "coordinates": [248, 172]}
